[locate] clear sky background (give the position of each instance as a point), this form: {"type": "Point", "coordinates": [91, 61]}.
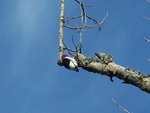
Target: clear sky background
{"type": "Point", "coordinates": [32, 82]}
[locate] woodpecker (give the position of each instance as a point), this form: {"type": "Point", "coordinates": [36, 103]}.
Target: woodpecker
{"type": "Point", "coordinates": [69, 63]}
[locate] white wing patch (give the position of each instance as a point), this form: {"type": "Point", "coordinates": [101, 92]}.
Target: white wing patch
{"type": "Point", "coordinates": [73, 62]}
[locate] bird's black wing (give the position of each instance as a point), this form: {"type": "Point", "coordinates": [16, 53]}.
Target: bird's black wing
{"type": "Point", "coordinates": [66, 62]}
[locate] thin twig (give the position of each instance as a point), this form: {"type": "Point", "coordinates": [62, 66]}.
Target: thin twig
{"type": "Point", "coordinates": [80, 27]}
{"type": "Point", "coordinates": [68, 49]}
{"type": "Point", "coordinates": [146, 18]}
{"type": "Point", "coordinates": [84, 17]}
{"type": "Point", "coordinates": [78, 48]}
{"type": "Point", "coordinates": [104, 18]}
{"type": "Point", "coordinates": [83, 12]}
{"type": "Point", "coordinates": [72, 18]}
{"type": "Point", "coordinates": [97, 24]}
{"type": "Point", "coordinates": [80, 44]}
{"type": "Point", "coordinates": [147, 40]}
{"type": "Point", "coordinates": [122, 108]}
{"type": "Point", "coordinates": [74, 43]}
{"type": "Point", "coordinates": [95, 21]}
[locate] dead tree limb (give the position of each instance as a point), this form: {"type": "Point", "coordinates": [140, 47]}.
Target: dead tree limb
{"type": "Point", "coordinates": [111, 69]}
{"type": "Point", "coordinates": [61, 32]}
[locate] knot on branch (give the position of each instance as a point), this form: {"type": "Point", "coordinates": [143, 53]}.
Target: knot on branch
{"type": "Point", "coordinates": [87, 60]}
{"type": "Point", "coordinates": [104, 58]}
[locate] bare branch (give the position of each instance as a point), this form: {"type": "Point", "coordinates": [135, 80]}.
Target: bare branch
{"type": "Point", "coordinates": [84, 17]}
{"type": "Point", "coordinates": [80, 27]}
{"type": "Point", "coordinates": [68, 49]}
{"type": "Point", "coordinates": [79, 2]}
{"type": "Point", "coordinates": [109, 68]}
{"type": "Point", "coordinates": [83, 12]}
{"type": "Point", "coordinates": [72, 18]}
{"type": "Point", "coordinates": [61, 32]}
{"type": "Point", "coordinates": [104, 18]}
{"type": "Point", "coordinates": [74, 43]}
{"type": "Point", "coordinates": [122, 108]}
{"type": "Point", "coordinates": [97, 24]}
{"type": "Point", "coordinates": [146, 18]}
{"type": "Point", "coordinates": [80, 44]}
{"type": "Point", "coordinates": [94, 20]}
{"type": "Point", "coordinates": [147, 40]}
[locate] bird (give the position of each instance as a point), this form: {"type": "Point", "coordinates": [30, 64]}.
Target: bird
{"type": "Point", "coordinates": [69, 63]}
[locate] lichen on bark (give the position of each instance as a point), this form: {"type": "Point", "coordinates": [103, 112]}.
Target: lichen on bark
{"type": "Point", "coordinates": [129, 76]}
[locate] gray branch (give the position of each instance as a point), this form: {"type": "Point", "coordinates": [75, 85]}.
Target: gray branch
{"type": "Point", "coordinates": [61, 31]}
{"type": "Point", "coordinates": [111, 69]}
{"type": "Point", "coordinates": [121, 107]}
{"type": "Point", "coordinates": [146, 18]}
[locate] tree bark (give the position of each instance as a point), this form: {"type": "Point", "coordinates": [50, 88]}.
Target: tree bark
{"type": "Point", "coordinates": [61, 32]}
{"type": "Point", "coordinates": [111, 69]}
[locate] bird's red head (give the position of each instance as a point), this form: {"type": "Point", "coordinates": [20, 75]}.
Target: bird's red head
{"type": "Point", "coordinates": [63, 56]}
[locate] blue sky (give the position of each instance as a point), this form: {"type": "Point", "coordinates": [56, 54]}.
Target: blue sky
{"type": "Point", "coordinates": [32, 82]}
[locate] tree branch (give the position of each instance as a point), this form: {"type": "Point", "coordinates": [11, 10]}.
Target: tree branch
{"type": "Point", "coordinates": [80, 27]}
{"type": "Point", "coordinates": [121, 107]}
{"type": "Point", "coordinates": [146, 18]}
{"type": "Point", "coordinates": [61, 32]}
{"type": "Point", "coordinates": [96, 23]}
{"type": "Point", "coordinates": [72, 18]}
{"type": "Point", "coordinates": [111, 69]}
{"type": "Point", "coordinates": [147, 40]}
